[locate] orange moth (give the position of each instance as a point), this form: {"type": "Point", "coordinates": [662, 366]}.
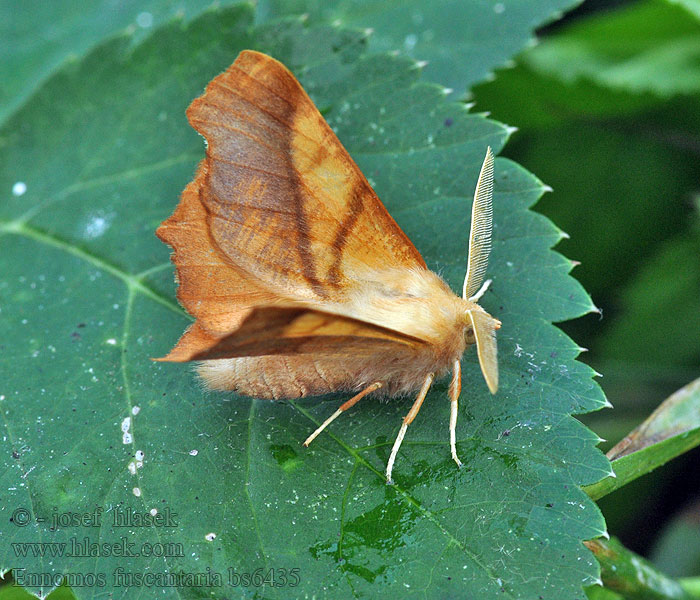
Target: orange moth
{"type": "Point", "coordinates": [299, 280]}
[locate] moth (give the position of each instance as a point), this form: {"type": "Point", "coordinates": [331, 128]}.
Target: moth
{"type": "Point", "coordinates": [299, 280]}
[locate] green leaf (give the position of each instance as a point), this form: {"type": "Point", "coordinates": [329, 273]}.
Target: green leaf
{"type": "Point", "coordinates": [691, 585]}
{"type": "Point", "coordinates": [11, 591]}
{"type": "Point", "coordinates": [664, 292]}
{"type": "Point", "coordinates": [463, 42]}
{"type": "Point", "coordinates": [552, 102]}
{"type": "Point", "coordinates": [672, 429]}
{"type": "Point", "coordinates": [620, 188]}
{"type": "Point", "coordinates": [681, 532]}
{"type": "Point", "coordinates": [37, 40]}
{"type": "Point", "coordinates": [608, 209]}
{"type": "Point", "coordinates": [598, 592]}
{"type": "Point", "coordinates": [633, 577]}
{"type": "Point", "coordinates": [647, 46]}
{"type": "Point", "coordinates": [692, 6]}
{"type": "Point", "coordinates": [102, 152]}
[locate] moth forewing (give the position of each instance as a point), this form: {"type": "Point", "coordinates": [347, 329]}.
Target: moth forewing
{"type": "Point", "coordinates": [481, 226]}
{"type": "Point", "coordinates": [300, 281]}
{"type": "Point", "coordinates": [485, 326]}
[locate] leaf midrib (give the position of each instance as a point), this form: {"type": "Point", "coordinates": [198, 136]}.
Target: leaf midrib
{"type": "Point", "coordinates": [135, 285]}
{"type": "Point", "coordinates": [359, 459]}
{"type": "Point", "coordinates": [133, 282]}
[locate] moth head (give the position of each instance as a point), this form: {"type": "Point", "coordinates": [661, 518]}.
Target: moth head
{"type": "Point", "coordinates": [480, 326]}
{"type": "Point", "coordinates": [485, 319]}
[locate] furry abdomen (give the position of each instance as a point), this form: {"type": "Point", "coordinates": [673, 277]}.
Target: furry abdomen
{"type": "Point", "coordinates": [281, 376]}
{"type": "Point", "coordinates": [419, 300]}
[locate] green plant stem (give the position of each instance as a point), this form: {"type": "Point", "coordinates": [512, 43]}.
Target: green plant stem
{"type": "Point", "coordinates": [633, 577]}
{"type": "Point", "coordinates": [691, 585]}
{"type": "Point", "coordinates": [671, 430]}
{"type": "Point", "coordinates": [631, 466]}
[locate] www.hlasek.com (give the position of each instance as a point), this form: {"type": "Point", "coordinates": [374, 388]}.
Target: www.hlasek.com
{"type": "Point", "coordinates": [86, 548]}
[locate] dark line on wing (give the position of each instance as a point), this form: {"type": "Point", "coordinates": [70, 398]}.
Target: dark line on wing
{"type": "Point", "coordinates": [308, 263]}
{"type": "Point", "coordinates": [355, 208]}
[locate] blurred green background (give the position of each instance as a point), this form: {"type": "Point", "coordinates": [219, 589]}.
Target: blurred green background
{"type": "Point", "coordinates": [607, 105]}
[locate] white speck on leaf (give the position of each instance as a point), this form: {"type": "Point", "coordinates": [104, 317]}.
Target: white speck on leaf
{"type": "Point", "coordinates": [144, 20]}
{"type": "Point", "coordinates": [210, 537]}
{"type": "Point", "coordinates": [137, 492]}
{"type": "Point", "coordinates": [126, 436]}
{"type": "Point", "coordinates": [96, 226]}
{"type": "Point", "coordinates": [19, 188]}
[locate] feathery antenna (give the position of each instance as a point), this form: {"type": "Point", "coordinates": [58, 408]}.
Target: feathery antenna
{"type": "Point", "coordinates": [480, 234]}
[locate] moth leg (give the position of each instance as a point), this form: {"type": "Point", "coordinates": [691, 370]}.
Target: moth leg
{"type": "Point", "coordinates": [407, 420]}
{"type": "Point", "coordinates": [455, 388]}
{"type": "Point", "coordinates": [343, 407]}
